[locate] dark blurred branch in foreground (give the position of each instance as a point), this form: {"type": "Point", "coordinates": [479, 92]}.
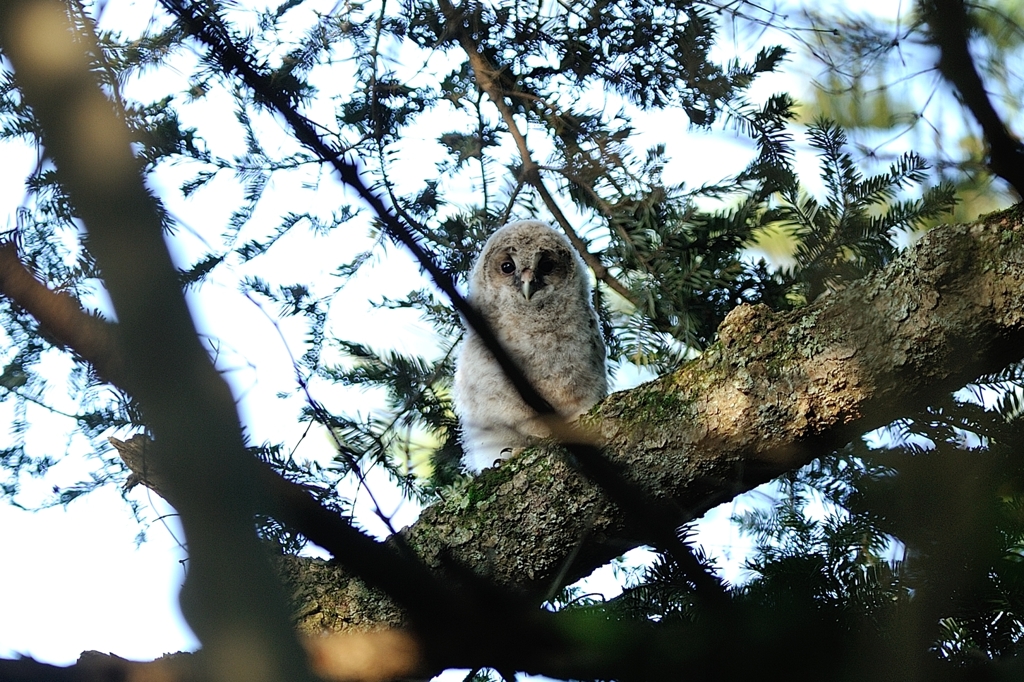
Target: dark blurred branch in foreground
{"type": "Point", "coordinates": [776, 391]}
{"type": "Point", "coordinates": [231, 598]}
{"type": "Point", "coordinates": [948, 25]}
{"type": "Point", "coordinates": [353, 657]}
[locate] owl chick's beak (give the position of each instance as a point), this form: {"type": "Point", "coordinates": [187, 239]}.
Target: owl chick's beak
{"type": "Point", "coordinates": [529, 278]}
{"type": "Point", "coordinates": [529, 286]}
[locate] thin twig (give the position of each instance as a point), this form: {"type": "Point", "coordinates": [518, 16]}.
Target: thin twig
{"type": "Point", "coordinates": [485, 75]}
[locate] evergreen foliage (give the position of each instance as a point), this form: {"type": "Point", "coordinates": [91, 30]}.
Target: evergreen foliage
{"type": "Point", "coordinates": [920, 534]}
{"type": "Point", "coordinates": [855, 230]}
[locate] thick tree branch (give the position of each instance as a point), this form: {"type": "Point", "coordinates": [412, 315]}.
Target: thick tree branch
{"type": "Point", "coordinates": [948, 24]}
{"type": "Point", "coordinates": [778, 390]}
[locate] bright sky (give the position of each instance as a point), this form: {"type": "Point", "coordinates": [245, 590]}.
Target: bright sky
{"type": "Point", "coordinates": [75, 580]}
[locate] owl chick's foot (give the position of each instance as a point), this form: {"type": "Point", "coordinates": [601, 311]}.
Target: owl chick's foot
{"type": "Point", "coordinates": [507, 453]}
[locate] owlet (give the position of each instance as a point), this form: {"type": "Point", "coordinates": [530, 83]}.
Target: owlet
{"type": "Point", "coordinates": [532, 288]}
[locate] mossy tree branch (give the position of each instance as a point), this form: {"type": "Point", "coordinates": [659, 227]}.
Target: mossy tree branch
{"type": "Point", "coordinates": [777, 390]}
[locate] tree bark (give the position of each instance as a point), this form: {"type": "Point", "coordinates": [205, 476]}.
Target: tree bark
{"type": "Point", "coordinates": [776, 391]}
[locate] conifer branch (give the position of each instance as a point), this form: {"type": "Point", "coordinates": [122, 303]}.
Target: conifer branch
{"type": "Point", "coordinates": [62, 318]}
{"type": "Point", "coordinates": [486, 77]}
{"type": "Point", "coordinates": [946, 310]}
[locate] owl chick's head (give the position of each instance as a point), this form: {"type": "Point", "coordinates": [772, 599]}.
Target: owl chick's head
{"type": "Point", "coordinates": [526, 264]}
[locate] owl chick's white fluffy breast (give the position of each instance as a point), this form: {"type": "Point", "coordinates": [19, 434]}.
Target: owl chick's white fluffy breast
{"type": "Point", "coordinates": [533, 289]}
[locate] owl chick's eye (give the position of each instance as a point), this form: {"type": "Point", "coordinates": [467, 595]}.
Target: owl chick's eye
{"type": "Point", "coordinates": [508, 267]}
{"type": "Point", "coordinates": [546, 266]}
